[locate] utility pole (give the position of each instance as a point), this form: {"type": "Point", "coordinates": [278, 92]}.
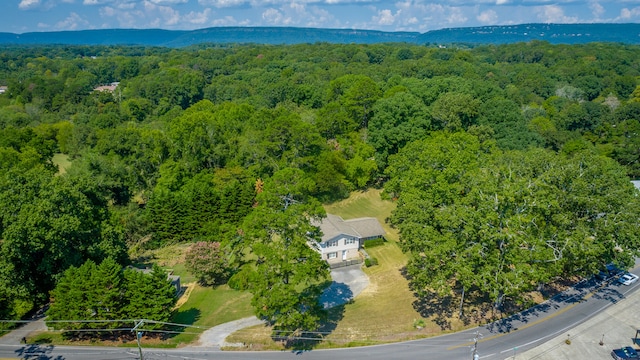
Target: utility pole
{"type": "Point", "coordinates": [138, 336]}
{"type": "Point", "coordinates": [475, 346]}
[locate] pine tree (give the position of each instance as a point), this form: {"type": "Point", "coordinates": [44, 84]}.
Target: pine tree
{"type": "Point", "coordinates": [109, 292]}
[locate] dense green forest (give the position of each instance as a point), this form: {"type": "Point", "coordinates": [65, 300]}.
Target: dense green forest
{"type": "Point", "coordinates": [510, 164]}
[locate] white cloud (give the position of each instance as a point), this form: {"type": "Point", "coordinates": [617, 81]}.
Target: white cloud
{"type": "Point", "coordinates": [96, 2]}
{"type": "Point", "coordinates": [73, 22]}
{"type": "Point", "coordinates": [330, 2]}
{"type": "Point", "coordinates": [596, 9]}
{"type": "Point", "coordinates": [298, 8]}
{"type": "Point", "coordinates": [275, 17]}
{"type": "Point", "coordinates": [627, 14]}
{"type": "Point", "coordinates": [297, 14]}
{"type": "Point", "coordinates": [487, 17]}
{"type": "Point", "coordinates": [456, 16]}
{"type": "Point", "coordinates": [385, 17]}
{"type": "Point", "coordinates": [168, 2]}
{"type": "Point", "coordinates": [28, 4]}
{"type": "Point", "coordinates": [225, 21]}
{"type": "Point", "coordinates": [554, 14]}
{"type": "Point", "coordinates": [319, 18]}
{"type": "Point", "coordinates": [502, 2]}
{"type": "Point", "coordinates": [414, 15]}
{"type": "Point", "coordinates": [126, 6]}
{"type": "Point", "coordinates": [108, 11]}
{"type": "Point", "coordinates": [198, 18]}
{"type": "Point", "coordinates": [169, 15]}
{"type": "Point", "coordinates": [222, 3]}
{"type": "Point", "coordinates": [149, 14]}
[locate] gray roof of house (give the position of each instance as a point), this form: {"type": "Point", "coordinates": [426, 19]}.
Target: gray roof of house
{"type": "Point", "coordinates": [366, 227]}
{"type": "Point", "coordinates": [334, 225]}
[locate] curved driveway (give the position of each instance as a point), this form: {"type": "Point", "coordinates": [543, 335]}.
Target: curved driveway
{"type": "Point", "coordinates": [347, 283]}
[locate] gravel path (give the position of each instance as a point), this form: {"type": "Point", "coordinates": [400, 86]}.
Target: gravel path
{"type": "Point", "coordinates": [215, 337]}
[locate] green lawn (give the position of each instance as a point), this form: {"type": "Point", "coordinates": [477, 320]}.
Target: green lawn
{"type": "Point", "coordinates": [362, 204]}
{"type": "Point", "coordinates": [209, 307]}
{"type": "Point", "coordinates": [384, 311]}
{"type": "Point", "coordinates": [62, 161]}
{"type": "Point", "coordinates": [206, 307]}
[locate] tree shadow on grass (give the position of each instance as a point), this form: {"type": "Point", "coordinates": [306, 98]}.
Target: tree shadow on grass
{"type": "Point", "coordinates": [37, 352]}
{"type": "Point", "coordinates": [187, 317]}
{"type": "Point", "coordinates": [331, 310]}
{"type": "Point", "coordinates": [431, 306]}
{"type": "Point", "coordinates": [442, 310]}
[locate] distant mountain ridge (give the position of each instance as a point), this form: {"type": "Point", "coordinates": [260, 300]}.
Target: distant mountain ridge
{"type": "Point", "coordinates": [553, 33]}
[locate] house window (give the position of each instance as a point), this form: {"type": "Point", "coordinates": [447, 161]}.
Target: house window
{"type": "Point", "coordinates": [349, 241]}
{"type": "Point", "coordinates": [332, 243]}
{"type": "Point", "coordinates": [332, 255]}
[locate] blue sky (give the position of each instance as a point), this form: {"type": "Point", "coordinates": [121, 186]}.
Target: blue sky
{"type": "Point", "coordinates": [20, 16]}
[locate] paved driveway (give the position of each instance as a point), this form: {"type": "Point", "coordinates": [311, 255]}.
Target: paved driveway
{"type": "Point", "coordinates": [347, 283]}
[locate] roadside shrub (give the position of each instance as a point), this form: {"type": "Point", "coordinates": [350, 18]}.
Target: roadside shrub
{"type": "Point", "coordinates": [242, 279]}
{"type": "Point", "coordinates": [370, 262]}
{"type": "Point", "coordinates": [373, 242]}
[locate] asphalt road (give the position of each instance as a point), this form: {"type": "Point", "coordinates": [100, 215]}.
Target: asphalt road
{"type": "Point", "coordinates": [500, 340]}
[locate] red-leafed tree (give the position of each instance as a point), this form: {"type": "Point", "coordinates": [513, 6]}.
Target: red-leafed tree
{"type": "Point", "coordinates": [208, 262]}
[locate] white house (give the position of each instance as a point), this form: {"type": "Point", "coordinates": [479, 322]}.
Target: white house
{"type": "Point", "coordinates": [341, 239]}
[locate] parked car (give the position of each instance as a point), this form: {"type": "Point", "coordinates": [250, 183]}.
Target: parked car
{"type": "Point", "coordinates": [609, 271]}
{"type": "Point", "coordinates": [628, 279]}
{"type": "Point", "coordinates": [625, 353]}
{"type": "Point", "coordinates": [612, 269]}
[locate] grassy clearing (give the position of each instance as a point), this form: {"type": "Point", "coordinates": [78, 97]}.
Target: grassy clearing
{"type": "Point", "coordinates": [363, 204]}
{"type": "Point", "coordinates": [170, 258]}
{"type": "Point", "coordinates": [384, 311]}
{"type": "Point", "coordinates": [209, 307]}
{"type": "Point", "coordinates": [205, 307]}
{"type": "Point", "coordinates": [62, 162]}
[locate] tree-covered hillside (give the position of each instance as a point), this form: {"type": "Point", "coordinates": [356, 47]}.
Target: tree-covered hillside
{"type": "Point", "coordinates": [511, 162]}
{"type": "Point", "coordinates": [496, 34]}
